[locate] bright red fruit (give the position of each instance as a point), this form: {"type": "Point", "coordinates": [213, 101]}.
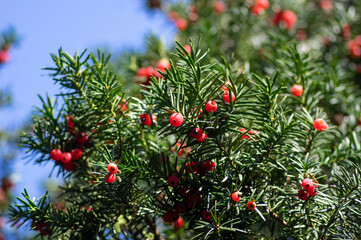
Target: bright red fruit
{"type": "Point", "coordinates": [297, 90]}
{"type": "Point", "coordinates": [145, 119]}
{"type": "Point", "coordinates": [4, 56]}
{"type": "Point", "coordinates": [236, 196]}
{"type": "Point", "coordinates": [112, 168]}
{"type": "Point", "coordinates": [56, 154]}
{"type": "Point", "coordinates": [202, 138]}
{"type": "Point", "coordinates": [226, 96]}
{"type": "Point", "coordinates": [206, 215]}
{"type": "Point", "coordinates": [319, 124]}
{"type": "Point", "coordinates": [66, 157]}
{"type": "Point", "coordinates": [163, 64]}
{"type": "Point", "coordinates": [307, 184]}
{"type": "Point", "coordinates": [326, 5]}
{"type": "Point", "coordinates": [76, 154]}
{"type": "Point", "coordinates": [176, 119]}
{"type": "Point", "coordinates": [179, 223]}
{"type": "Point", "coordinates": [70, 124]}
{"type": "Point", "coordinates": [312, 191]}
{"type": "Point", "coordinates": [173, 181]}
{"type": "Point", "coordinates": [251, 205]}
{"type": "Point", "coordinates": [249, 134]}
{"type": "Point", "coordinates": [211, 106]}
{"type": "Point", "coordinates": [303, 194]}
{"type": "Point", "coordinates": [187, 48]}
{"type": "Point", "coordinates": [219, 7]}
{"type": "Point", "coordinates": [181, 24]}
{"type": "Point", "coordinates": [262, 3]}
{"type": "Point", "coordinates": [110, 177]}
{"type": "Point", "coordinates": [226, 85]}
{"type": "Point", "coordinates": [197, 133]}
{"type": "Point", "coordinates": [287, 17]}
{"type": "Point", "coordinates": [144, 75]}
{"type": "Point", "coordinates": [81, 137]}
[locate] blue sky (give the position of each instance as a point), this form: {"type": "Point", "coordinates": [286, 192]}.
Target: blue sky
{"type": "Point", "coordinates": [44, 26]}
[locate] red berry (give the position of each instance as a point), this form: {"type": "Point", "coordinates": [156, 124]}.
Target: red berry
{"type": "Point", "coordinates": [163, 64]}
{"type": "Point", "coordinates": [197, 133]}
{"type": "Point", "coordinates": [251, 205]}
{"type": "Point", "coordinates": [110, 177]}
{"type": "Point", "coordinates": [145, 119]}
{"type": "Point", "coordinates": [173, 181]}
{"type": "Point", "coordinates": [248, 134]}
{"type": "Point", "coordinates": [76, 154]}
{"type": "Point", "coordinates": [236, 196]}
{"type": "Point", "coordinates": [69, 166]}
{"type": "Point", "coordinates": [4, 56]}
{"type": "Point", "coordinates": [303, 194]}
{"type": "Point", "coordinates": [179, 223]}
{"type": "Point", "coordinates": [307, 184]}
{"type": "Point", "coordinates": [326, 5]}
{"type": "Point", "coordinates": [211, 106]}
{"type": "Point", "coordinates": [176, 119]}
{"type": "Point", "coordinates": [297, 90]}
{"type": "Point", "coordinates": [81, 138]}
{"type": "Point", "coordinates": [312, 191]}
{"type": "Point", "coordinates": [262, 3]}
{"type": "Point", "coordinates": [226, 96]}
{"type": "Point", "coordinates": [70, 124]}
{"type": "Point", "coordinates": [112, 168]}
{"type": "Point", "coordinates": [225, 86]}
{"type": "Point", "coordinates": [144, 75]}
{"type": "Point", "coordinates": [202, 138]}
{"type": "Point", "coordinates": [289, 18]}
{"type": "Point", "coordinates": [206, 215]}
{"type": "Point", "coordinates": [187, 48]}
{"type": "Point", "coordinates": [319, 124]}
{"type": "Point", "coordinates": [219, 7]}
{"type": "Point", "coordinates": [181, 207]}
{"type": "Point", "coordinates": [181, 24]}
{"type": "Point", "coordinates": [56, 154]}
{"type": "Point", "coordinates": [257, 10]}
{"type": "Point", "coordinates": [66, 157]}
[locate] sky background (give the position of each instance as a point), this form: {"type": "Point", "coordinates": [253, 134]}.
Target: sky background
{"type": "Point", "coordinates": [44, 26]}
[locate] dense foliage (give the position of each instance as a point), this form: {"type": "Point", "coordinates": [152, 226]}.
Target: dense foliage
{"type": "Point", "coordinates": [252, 131]}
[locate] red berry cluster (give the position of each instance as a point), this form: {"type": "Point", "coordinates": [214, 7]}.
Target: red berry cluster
{"type": "Point", "coordinates": [259, 7]}
{"type": "Point", "coordinates": [286, 18]}
{"type": "Point", "coordinates": [226, 94]}
{"type": "Point", "coordinates": [309, 189]}
{"type": "Point", "coordinates": [74, 149]}
{"type": "Point", "coordinates": [111, 176]}
{"type": "Point", "coordinates": [144, 74]}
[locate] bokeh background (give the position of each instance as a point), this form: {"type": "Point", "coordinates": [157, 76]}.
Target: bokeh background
{"type": "Point", "coordinates": [43, 27]}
